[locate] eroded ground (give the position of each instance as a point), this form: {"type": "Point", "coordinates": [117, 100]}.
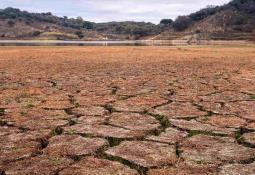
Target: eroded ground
{"type": "Point", "coordinates": [127, 110]}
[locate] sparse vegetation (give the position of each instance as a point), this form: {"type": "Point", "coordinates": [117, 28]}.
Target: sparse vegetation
{"type": "Point", "coordinates": [182, 23]}
{"type": "Point", "coordinates": [166, 22]}
{"type": "Point", "coordinates": [2, 111]}
{"type": "Point", "coordinates": [11, 23]}
{"type": "Point", "coordinates": [240, 17]}
{"type": "Point", "coordinates": [124, 134]}
{"type": "Point", "coordinates": [79, 34]}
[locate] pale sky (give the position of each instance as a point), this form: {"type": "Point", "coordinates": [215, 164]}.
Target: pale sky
{"type": "Point", "coordinates": [113, 10]}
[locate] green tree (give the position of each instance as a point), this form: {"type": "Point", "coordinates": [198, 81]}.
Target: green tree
{"type": "Point", "coordinates": [182, 23]}
{"type": "Point", "coordinates": [166, 22]}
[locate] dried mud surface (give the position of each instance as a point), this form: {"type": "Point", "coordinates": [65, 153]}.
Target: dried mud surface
{"type": "Point", "coordinates": [127, 110]}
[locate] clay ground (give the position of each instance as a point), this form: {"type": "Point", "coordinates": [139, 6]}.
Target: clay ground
{"type": "Point", "coordinates": [127, 110]}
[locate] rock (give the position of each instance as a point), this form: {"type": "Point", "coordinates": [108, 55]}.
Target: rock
{"type": "Point", "coordinates": [170, 136]}
{"type": "Point", "coordinates": [134, 121]}
{"type": "Point", "coordinates": [5, 130]}
{"type": "Point", "coordinates": [215, 107]}
{"type": "Point", "coordinates": [226, 96]}
{"type": "Point", "coordinates": [39, 165]}
{"type": "Point", "coordinates": [33, 124]}
{"type": "Point", "coordinates": [144, 153]}
{"type": "Point", "coordinates": [93, 100]}
{"type": "Point", "coordinates": [74, 145]}
{"type": "Point", "coordinates": [224, 121]}
{"type": "Point", "coordinates": [249, 138]}
{"type": "Point", "coordinates": [94, 166]}
{"type": "Point", "coordinates": [14, 147]}
{"type": "Point", "coordinates": [90, 111]}
{"type": "Point", "coordinates": [251, 126]}
{"type": "Point", "coordinates": [36, 135]}
{"type": "Point", "coordinates": [48, 114]}
{"type": "Point", "coordinates": [200, 127]}
{"type": "Point", "coordinates": [91, 120]}
{"type": "Point", "coordinates": [178, 110]}
{"type": "Point", "coordinates": [104, 131]}
{"type": "Point", "coordinates": [138, 103]}
{"type": "Point", "coordinates": [57, 105]}
{"type": "Point", "coordinates": [202, 151]}
{"type": "Point", "coordinates": [181, 170]}
{"type": "Point", "coordinates": [238, 169]}
{"type": "Point", "coordinates": [245, 109]}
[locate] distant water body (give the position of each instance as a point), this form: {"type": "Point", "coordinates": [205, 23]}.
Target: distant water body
{"type": "Point", "coordinates": [115, 43]}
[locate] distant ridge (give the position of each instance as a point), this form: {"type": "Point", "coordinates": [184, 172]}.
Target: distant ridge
{"type": "Point", "coordinates": [232, 21]}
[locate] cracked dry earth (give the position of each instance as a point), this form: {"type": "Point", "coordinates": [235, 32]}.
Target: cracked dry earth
{"type": "Point", "coordinates": [127, 110]}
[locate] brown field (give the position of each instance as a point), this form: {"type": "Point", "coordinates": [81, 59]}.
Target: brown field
{"type": "Point", "coordinates": [127, 110]}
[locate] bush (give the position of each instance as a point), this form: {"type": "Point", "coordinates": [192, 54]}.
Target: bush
{"type": "Point", "coordinates": [244, 5]}
{"type": "Point", "coordinates": [88, 25]}
{"type": "Point", "coordinates": [36, 33]}
{"type": "Point", "coordinates": [198, 31]}
{"type": "Point", "coordinates": [79, 34]}
{"type": "Point", "coordinates": [249, 7]}
{"type": "Point", "coordinates": [182, 23]}
{"type": "Point", "coordinates": [11, 23]}
{"type": "Point", "coordinates": [239, 19]}
{"type": "Point", "coordinates": [166, 22]}
{"type": "Point", "coordinates": [202, 14]}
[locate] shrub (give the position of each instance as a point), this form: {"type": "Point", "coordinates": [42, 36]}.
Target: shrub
{"type": "Point", "coordinates": [239, 19]}
{"type": "Point", "coordinates": [182, 23]}
{"type": "Point", "coordinates": [79, 34]}
{"type": "Point", "coordinates": [36, 33]}
{"type": "Point", "coordinates": [11, 23]}
{"type": "Point", "coordinates": [201, 14]}
{"type": "Point", "coordinates": [166, 22]}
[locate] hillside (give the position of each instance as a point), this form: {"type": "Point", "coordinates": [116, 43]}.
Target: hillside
{"type": "Point", "coordinates": [17, 24]}
{"type": "Point", "coordinates": [233, 21]}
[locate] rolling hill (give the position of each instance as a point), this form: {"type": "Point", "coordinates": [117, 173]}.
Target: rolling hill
{"type": "Point", "coordinates": [232, 21]}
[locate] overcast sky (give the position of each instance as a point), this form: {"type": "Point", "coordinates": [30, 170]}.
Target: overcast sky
{"type": "Point", "coordinates": [113, 10]}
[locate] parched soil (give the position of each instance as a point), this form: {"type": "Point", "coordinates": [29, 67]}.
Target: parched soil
{"type": "Point", "coordinates": [127, 110]}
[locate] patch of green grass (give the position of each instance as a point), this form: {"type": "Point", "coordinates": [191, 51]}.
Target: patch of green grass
{"type": "Point", "coordinates": [57, 131]}
{"type": "Point", "coordinates": [238, 137]}
{"type": "Point", "coordinates": [56, 161]}
{"type": "Point", "coordinates": [22, 95]}
{"type": "Point", "coordinates": [28, 104]}
{"type": "Point", "coordinates": [24, 113]}
{"type": "Point", "coordinates": [205, 118]}
{"type": "Point", "coordinates": [253, 96]}
{"type": "Point", "coordinates": [200, 162]}
{"type": "Point", "coordinates": [209, 113]}
{"type": "Point", "coordinates": [194, 132]}
{"type": "Point", "coordinates": [2, 111]}
{"type": "Point", "coordinates": [73, 121]}
{"type": "Point", "coordinates": [114, 141]}
{"type": "Point", "coordinates": [7, 101]}
{"type": "Point", "coordinates": [110, 108]}
{"type": "Point", "coordinates": [71, 131]}
{"type": "Point", "coordinates": [2, 122]}
{"type": "Point", "coordinates": [114, 90]}
{"type": "Point", "coordinates": [163, 120]}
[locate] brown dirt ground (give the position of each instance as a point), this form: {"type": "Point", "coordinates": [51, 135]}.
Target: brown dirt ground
{"type": "Point", "coordinates": [127, 110]}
